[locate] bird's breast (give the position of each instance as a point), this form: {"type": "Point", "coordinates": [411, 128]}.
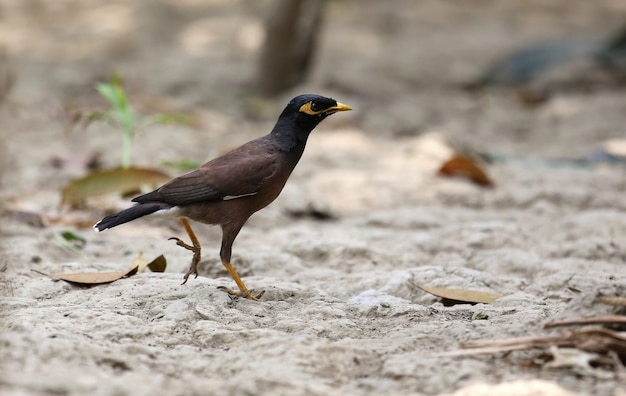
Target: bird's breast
{"type": "Point", "coordinates": [274, 185]}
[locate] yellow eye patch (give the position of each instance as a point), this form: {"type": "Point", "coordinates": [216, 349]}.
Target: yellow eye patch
{"type": "Point", "coordinates": [306, 108]}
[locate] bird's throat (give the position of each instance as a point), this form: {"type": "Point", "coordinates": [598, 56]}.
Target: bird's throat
{"type": "Point", "coordinates": [290, 139]}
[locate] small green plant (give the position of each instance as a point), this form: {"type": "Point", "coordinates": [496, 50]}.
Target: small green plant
{"type": "Point", "coordinates": [121, 115]}
{"type": "Point", "coordinates": [126, 179]}
{"type": "Point", "coordinates": [480, 316]}
{"type": "Point", "coordinates": [70, 240]}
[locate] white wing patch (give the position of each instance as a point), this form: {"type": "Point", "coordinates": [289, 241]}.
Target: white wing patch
{"type": "Point", "coordinates": [173, 211]}
{"type": "Point", "coordinates": [229, 197]}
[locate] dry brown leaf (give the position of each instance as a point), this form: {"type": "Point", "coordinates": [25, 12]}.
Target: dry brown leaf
{"type": "Point", "coordinates": [140, 262]}
{"type": "Point", "coordinates": [463, 166]}
{"type": "Point", "coordinates": [108, 181]}
{"type": "Point", "coordinates": [88, 279]}
{"type": "Point", "coordinates": [459, 296]}
{"type": "Point", "coordinates": [159, 264]}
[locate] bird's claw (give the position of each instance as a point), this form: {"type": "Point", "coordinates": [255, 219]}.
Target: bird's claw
{"type": "Point", "coordinates": [191, 271]}
{"type": "Point", "coordinates": [243, 293]}
{"type": "Point", "coordinates": [180, 243]}
{"type": "Point", "coordinates": [193, 268]}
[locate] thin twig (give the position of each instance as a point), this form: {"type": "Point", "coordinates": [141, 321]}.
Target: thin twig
{"type": "Point", "coordinates": [600, 319]}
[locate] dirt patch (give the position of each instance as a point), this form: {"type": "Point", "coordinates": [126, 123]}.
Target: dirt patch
{"type": "Point", "coordinates": [340, 314]}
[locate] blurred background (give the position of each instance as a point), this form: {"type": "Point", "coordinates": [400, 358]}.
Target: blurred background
{"type": "Point", "coordinates": [506, 78]}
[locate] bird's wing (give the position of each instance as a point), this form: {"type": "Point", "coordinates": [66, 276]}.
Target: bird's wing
{"type": "Point", "coordinates": [240, 172]}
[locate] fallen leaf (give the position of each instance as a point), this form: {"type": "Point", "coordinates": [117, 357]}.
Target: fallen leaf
{"type": "Point", "coordinates": [140, 262]}
{"type": "Point", "coordinates": [157, 265]}
{"type": "Point", "coordinates": [459, 296]}
{"type": "Point", "coordinates": [88, 279]}
{"type": "Point", "coordinates": [108, 181]}
{"type": "Point", "coordinates": [464, 166]}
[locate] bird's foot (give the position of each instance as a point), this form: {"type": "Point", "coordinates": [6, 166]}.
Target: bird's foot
{"type": "Point", "coordinates": [180, 243]}
{"type": "Point", "coordinates": [193, 268]}
{"type": "Point", "coordinates": [243, 293]}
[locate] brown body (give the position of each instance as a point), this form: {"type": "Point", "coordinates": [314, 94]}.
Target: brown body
{"type": "Point", "coordinates": [231, 214]}
{"type": "Point", "coordinates": [230, 188]}
{"type": "Point", "coordinates": [264, 162]}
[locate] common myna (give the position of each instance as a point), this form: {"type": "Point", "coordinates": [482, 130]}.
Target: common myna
{"type": "Point", "coordinates": [230, 188]}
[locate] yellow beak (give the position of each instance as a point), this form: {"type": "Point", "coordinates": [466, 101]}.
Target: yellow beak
{"type": "Point", "coordinates": [339, 107]}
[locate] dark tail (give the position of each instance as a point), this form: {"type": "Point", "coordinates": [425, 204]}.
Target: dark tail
{"type": "Point", "coordinates": [130, 214]}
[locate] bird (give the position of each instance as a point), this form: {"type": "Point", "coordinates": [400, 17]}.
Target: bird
{"type": "Point", "coordinates": [229, 189]}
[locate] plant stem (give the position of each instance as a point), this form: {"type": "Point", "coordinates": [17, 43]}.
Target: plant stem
{"type": "Point", "coordinates": [127, 142]}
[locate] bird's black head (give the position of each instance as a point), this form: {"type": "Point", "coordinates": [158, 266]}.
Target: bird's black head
{"type": "Point", "coordinates": [314, 108]}
{"type": "Point", "coordinates": [302, 115]}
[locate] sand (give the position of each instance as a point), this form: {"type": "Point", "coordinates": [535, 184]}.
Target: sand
{"type": "Point", "coordinates": [341, 314]}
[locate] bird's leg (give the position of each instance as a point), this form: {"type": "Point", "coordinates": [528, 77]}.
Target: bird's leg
{"type": "Point", "coordinates": [194, 247]}
{"type": "Point", "coordinates": [243, 290]}
{"type": "Point", "coordinates": [225, 253]}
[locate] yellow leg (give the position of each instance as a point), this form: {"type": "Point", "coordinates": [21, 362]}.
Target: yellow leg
{"type": "Point", "coordinates": [243, 290]}
{"type": "Point", "coordinates": [193, 268]}
{"type": "Point", "coordinates": [229, 233]}
{"type": "Point", "coordinates": [194, 247]}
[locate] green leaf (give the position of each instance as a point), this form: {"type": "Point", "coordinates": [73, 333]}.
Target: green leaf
{"type": "Point", "coordinates": [122, 112]}
{"type": "Point", "coordinates": [70, 240]}
{"type": "Point", "coordinates": [116, 96]}
{"type": "Point", "coordinates": [109, 93]}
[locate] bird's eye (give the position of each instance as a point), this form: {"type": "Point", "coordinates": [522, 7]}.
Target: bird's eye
{"type": "Point", "coordinates": [315, 106]}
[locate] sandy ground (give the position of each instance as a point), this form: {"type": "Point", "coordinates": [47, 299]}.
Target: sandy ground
{"type": "Point", "coordinates": [341, 314]}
